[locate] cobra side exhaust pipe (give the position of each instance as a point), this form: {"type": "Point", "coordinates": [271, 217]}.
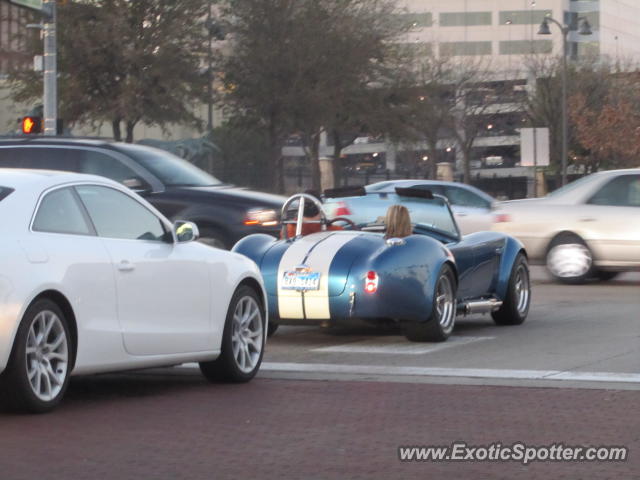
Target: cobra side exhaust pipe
{"type": "Point", "coordinates": [481, 306]}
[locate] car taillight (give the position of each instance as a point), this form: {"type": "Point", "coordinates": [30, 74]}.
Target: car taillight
{"type": "Point", "coordinates": [342, 210]}
{"type": "Point", "coordinates": [501, 218]}
{"type": "Point", "coordinates": [371, 282]}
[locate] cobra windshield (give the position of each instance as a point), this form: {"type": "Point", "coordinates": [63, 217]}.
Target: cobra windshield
{"type": "Point", "coordinates": [425, 209]}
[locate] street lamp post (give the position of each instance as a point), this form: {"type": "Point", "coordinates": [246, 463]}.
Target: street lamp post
{"type": "Point", "coordinates": [585, 29]}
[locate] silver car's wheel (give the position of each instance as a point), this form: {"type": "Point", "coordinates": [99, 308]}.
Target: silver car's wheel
{"type": "Point", "coordinates": [47, 355]}
{"type": "Point", "coordinates": [41, 360]}
{"type": "Point", "coordinates": [242, 340]}
{"type": "Point", "coordinates": [247, 335]}
{"type": "Point", "coordinates": [569, 259]}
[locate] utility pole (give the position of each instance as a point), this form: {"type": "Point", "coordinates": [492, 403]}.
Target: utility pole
{"type": "Point", "coordinates": [50, 100]}
{"type": "Point", "coordinates": [209, 71]}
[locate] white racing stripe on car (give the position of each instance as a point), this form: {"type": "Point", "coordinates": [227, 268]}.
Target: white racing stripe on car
{"type": "Point", "coordinates": [316, 302]}
{"type": "Point", "coordinates": [290, 301]}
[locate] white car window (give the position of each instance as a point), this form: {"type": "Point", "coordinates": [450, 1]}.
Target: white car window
{"type": "Point", "coordinates": [622, 191]}
{"type": "Point", "coordinates": [116, 215]}
{"type": "Point", "coordinates": [59, 212]}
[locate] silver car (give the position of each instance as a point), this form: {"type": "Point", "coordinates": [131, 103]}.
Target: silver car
{"type": "Point", "coordinates": [471, 207]}
{"type": "Point", "coordinates": [587, 229]}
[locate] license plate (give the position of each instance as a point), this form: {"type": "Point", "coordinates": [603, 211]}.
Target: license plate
{"type": "Point", "coordinates": [292, 280]}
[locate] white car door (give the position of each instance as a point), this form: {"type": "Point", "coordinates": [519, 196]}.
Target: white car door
{"type": "Point", "coordinates": [163, 288]}
{"type": "Point", "coordinates": [63, 241]}
{"type": "Point", "coordinates": [612, 214]}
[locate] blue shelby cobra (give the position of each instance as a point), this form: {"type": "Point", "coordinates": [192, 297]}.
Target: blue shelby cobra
{"type": "Point", "coordinates": [422, 281]}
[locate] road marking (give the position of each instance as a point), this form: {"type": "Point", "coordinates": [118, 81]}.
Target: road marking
{"type": "Point", "coordinates": [396, 345]}
{"type": "Point", "coordinates": [453, 372]}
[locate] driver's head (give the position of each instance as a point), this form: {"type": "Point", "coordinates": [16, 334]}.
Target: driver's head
{"type": "Point", "coordinates": [398, 222]}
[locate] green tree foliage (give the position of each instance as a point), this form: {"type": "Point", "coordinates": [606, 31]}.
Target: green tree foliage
{"type": "Point", "coordinates": [124, 61]}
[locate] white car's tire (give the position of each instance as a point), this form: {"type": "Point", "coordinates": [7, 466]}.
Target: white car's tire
{"type": "Point", "coordinates": [569, 259]}
{"type": "Point", "coordinates": [243, 340]}
{"type": "Point", "coordinates": [37, 374]}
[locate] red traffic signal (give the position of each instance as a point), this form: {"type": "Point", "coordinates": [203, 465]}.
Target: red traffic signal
{"type": "Point", "coordinates": [31, 125]}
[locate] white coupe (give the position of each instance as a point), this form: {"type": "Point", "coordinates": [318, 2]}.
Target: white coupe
{"type": "Point", "coordinates": [94, 279]}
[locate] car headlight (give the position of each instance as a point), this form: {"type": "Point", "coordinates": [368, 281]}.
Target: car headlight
{"type": "Point", "coordinates": [262, 217]}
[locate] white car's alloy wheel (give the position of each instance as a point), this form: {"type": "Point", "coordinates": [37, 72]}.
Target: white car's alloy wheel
{"type": "Point", "coordinates": [247, 335]}
{"type": "Point", "coordinates": [47, 355]}
{"type": "Point", "coordinates": [569, 260]}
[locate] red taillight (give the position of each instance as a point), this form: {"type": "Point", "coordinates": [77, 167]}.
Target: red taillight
{"type": "Point", "coordinates": [342, 210]}
{"type": "Point", "coordinates": [501, 218]}
{"type": "Point", "coordinates": [371, 283]}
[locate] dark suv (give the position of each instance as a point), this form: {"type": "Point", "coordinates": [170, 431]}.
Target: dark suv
{"type": "Point", "coordinates": [223, 213]}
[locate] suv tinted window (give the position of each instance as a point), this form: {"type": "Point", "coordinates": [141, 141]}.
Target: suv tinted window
{"type": "Point", "coordinates": [104, 165]}
{"type": "Point", "coordinates": [622, 191]}
{"type": "Point", "coordinates": [40, 158]}
{"type": "Point", "coordinates": [9, 158]}
{"type": "Point", "coordinates": [116, 215]}
{"type": "Point", "coordinates": [168, 168]}
{"type": "Point", "coordinates": [59, 212]}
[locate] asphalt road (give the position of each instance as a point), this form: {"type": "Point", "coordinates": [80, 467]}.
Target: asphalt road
{"type": "Point", "coordinates": [587, 335]}
{"type": "Point", "coordinates": [339, 404]}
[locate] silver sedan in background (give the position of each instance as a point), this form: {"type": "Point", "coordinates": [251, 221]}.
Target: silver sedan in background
{"type": "Point", "coordinates": [588, 229]}
{"type": "Point", "coordinates": [471, 207]}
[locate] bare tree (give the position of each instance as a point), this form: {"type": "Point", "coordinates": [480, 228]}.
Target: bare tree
{"type": "Point", "coordinates": [589, 78]}
{"type": "Point", "coordinates": [479, 98]}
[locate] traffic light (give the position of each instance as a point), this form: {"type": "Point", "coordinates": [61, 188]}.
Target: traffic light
{"type": "Point", "coordinates": [31, 125]}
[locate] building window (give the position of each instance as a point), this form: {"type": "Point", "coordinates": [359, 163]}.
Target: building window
{"type": "Point", "coordinates": [465, 19]}
{"type": "Point", "coordinates": [523, 17]}
{"type": "Point", "coordinates": [417, 20]}
{"type": "Point", "coordinates": [453, 49]}
{"type": "Point", "coordinates": [523, 47]}
{"type": "Point", "coordinates": [588, 49]}
{"type": "Point", "coordinates": [417, 50]}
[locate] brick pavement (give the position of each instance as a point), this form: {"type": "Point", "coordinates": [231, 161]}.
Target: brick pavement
{"type": "Point", "coordinates": [178, 427]}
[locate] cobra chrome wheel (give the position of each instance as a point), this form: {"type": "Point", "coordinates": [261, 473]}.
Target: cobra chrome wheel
{"type": "Point", "coordinates": [37, 374]}
{"type": "Point", "coordinates": [445, 303]}
{"type": "Point", "coordinates": [522, 288]}
{"type": "Point", "coordinates": [443, 314]}
{"type": "Point", "coordinates": [243, 340]}
{"type": "Point", "coordinates": [515, 306]}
